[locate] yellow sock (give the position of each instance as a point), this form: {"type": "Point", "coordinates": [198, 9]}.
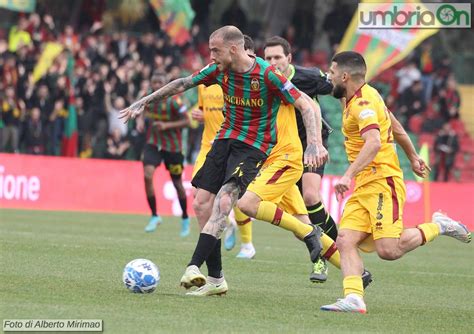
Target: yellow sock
{"type": "Point", "coordinates": [353, 284]}
{"type": "Point", "coordinates": [330, 251]}
{"type": "Point", "coordinates": [245, 226]}
{"type": "Point", "coordinates": [246, 232]}
{"type": "Point", "coordinates": [429, 231]}
{"type": "Point", "coordinates": [269, 212]}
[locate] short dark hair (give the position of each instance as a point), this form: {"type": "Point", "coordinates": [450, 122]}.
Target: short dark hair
{"type": "Point", "coordinates": [248, 43]}
{"type": "Point", "coordinates": [352, 61]}
{"type": "Point", "coordinates": [277, 40]}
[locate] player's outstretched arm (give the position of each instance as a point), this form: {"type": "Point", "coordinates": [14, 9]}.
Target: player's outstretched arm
{"type": "Point", "coordinates": [418, 165]}
{"type": "Point", "coordinates": [172, 88]}
{"type": "Point", "coordinates": [315, 154]}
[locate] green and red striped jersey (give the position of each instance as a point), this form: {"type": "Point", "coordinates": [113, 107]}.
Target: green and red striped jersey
{"type": "Point", "coordinates": [251, 102]}
{"type": "Point", "coordinates": [165, 111]}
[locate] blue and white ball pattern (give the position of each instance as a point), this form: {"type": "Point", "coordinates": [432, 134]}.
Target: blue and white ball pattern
{"type": "Point", "coordinates": [141, 276]}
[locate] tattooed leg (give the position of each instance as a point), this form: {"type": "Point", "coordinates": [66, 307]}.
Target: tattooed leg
{"type": "Point", "coordinates": [223, 204]}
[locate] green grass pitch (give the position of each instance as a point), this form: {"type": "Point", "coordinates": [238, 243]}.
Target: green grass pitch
{"type": "Point", "coordinates": [63, 265]}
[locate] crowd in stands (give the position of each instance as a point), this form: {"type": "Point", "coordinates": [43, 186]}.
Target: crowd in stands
{"type": "Point", "coordinates": [423, 94]}
{"type": "Point", "coordinates": [113, 70]}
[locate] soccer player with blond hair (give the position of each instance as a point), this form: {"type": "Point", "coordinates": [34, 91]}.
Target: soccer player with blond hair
{"type": "Point", "coordinates": [253, 94]}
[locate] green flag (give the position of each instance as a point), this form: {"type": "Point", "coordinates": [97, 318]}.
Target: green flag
{"type": "Point", "coordinates": [175, 17]}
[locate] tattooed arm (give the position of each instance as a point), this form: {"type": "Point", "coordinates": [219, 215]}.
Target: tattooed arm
{"type": "Point", "coordinates": [315, 154]}
{"type": "Point", "coordinates": [172, 88]}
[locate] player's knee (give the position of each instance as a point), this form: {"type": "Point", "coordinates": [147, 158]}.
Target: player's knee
{"type": "Point", "coordinates": [178, 185]}
{"type": "Point", "coordinates": [200, 204]}
{"type": "Point", "coordinates": [248, 206]}
{"type": "Point", "coordinates": [148, 176]}
{"type": "Point", "coordinates": [148, 172]}
{"type": "Point", "coordinates": [196, 206]}
{"type": "Point", "coordinates": [311, 197]}
{"type": "Point", "coordinates": [388, 254]}
{"type": "Point", "coordinates": [344, 243]}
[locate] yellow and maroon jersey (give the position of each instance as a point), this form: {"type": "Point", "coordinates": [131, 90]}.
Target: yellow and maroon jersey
{"type": "Point", "coordinates": [365, 111]}
{"type": "Point", "coordinates": [211, 102]}
{"type": "Point", "coordinates": [289, 146]}
{"type": "Point", "coordinates": [169, 110]}
{"type": "Point", "coordinates": [251, 102]}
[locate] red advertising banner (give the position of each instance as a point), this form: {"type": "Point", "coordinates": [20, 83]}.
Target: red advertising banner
{"type": "Point", "coordinates": [51, 183]}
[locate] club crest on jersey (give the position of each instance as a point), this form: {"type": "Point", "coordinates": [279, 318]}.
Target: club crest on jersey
{"type": "Point", "coordinates": [363, 103]}
{"type": "Point", "coordinates": [255, 84]}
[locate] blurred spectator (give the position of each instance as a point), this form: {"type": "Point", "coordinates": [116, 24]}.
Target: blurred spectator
{"type": "Point", "coordinates": [411, 102]}
{"type": "Point", "coordinates": [304, 22]}
{"type": "Point", "coordinates": [95, 116]}
{"type": "Point", "coordinates": [336, 22]}
{"type": "Point", "coordinates": [235, 15]}
{"type": "Point", "coordinates": [19, 36]}
{"type": "Point", "coordinates": [119, 44]}
{"type": "Point", "coordinates": [34, 134]}
{"type": "Point", "coordinates": [122, 82]}
{"type": "Point", "coordinates": [12, 113]}
{"type": "Point", "coordinates": [10, 71]}
{"type": "Point", "coordinates": [56, 127]}
{"type": "Point", "coordinates": [117, 145]}
{"type": "Point", "coordinates": [69, 39]}
{"type": "Point", "coordinates": [113, 111]}
{"type": "Point", "coordinates": [43, 101]}
{"type": "Point", "coordinates": [201, 21]}
{"type": "Point", "coordinates": [450, 100]}
{"type": "Point", "coordinates": [146, 48]}
{"type": "Point", "coordinates": [40, 30]}
{"type": "Point", "coordinates": [407, 75]}
{"type": "Point", "coordinates": [425, 62]}
{"type": "Point", "coordinates": [84, 137]}
{"type": "Point", "coordinates": [446, 148]}
{"type": "Point", "coordinates": [441, 75]}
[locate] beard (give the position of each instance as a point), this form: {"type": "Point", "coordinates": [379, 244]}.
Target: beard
{"type": "Point", "coordinates": [338, 91]}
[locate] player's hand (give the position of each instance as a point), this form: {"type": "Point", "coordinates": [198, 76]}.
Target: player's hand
{"type": "Point", "coordinates": [133, 111]}
{"type": "Point", "coordinates": [311, 157]}
{"type": "Point", "coordinates": [197, 115]}
{"type": "Point", "coordinates": [419, 167]}
{"type": "Point", "coordinates": [160, 126]}
{"type": "Point", "coordinates": [323, 155]}
{"type": "Point", "coordinates": [342, 186]}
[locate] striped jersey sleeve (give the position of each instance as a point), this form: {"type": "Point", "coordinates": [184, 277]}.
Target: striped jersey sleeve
{"type": "Point", "coordinates": [281, 86]}
{"type": "Point", "coordinates": [206, 76]}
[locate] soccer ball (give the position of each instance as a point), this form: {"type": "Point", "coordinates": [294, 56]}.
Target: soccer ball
{"type": "Point", "coordinates": [141, 276]}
